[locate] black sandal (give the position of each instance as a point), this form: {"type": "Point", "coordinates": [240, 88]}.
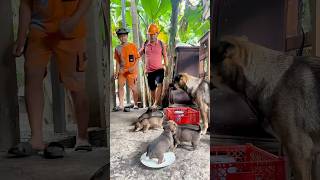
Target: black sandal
{"type": "Point", "coordinates": [126, 109]}
{"type": "Point", "coordinates": [117, 108]}
{"type": "Point", "coordinates": [129, 106]}
{"type": "Point", "coordinates": [22, 149]}
{"type": "Point", "coordinates": [83, 148]}
{"type": "Point", "coordinates": [54, 150]}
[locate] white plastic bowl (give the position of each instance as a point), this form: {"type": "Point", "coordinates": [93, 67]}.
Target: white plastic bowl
{"type": "Point", "coordinates": [169, 158]}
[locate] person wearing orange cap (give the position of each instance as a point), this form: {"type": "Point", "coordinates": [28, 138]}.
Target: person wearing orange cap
{"type": "Point", "coordinates": [155, 68]}
{"type": "Point", "coordinates": [126, 56]}
{"type": "Point", "coordinates": [53, 28]}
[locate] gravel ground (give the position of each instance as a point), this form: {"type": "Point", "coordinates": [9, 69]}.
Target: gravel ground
{"type": "Point", "coordinates": [127, 148]}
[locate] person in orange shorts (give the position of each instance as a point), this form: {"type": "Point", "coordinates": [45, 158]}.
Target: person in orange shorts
{"type": "Point", "coordinates": [126, 56]}
{"type": "Point", "coordinates": [53, 28]}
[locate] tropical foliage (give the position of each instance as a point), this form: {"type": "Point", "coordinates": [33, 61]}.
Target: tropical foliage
{"type": "Point", "coordinates": [191, 26]}
{"type": "Point", "coordinates": [180, 22]}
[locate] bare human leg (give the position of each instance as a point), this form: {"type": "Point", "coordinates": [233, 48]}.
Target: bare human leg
{"type": "Point", "coordinates": [34, 104]}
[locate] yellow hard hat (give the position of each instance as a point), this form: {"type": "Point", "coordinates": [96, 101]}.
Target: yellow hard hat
{"type": "Point", "coordinates": [153, 29]}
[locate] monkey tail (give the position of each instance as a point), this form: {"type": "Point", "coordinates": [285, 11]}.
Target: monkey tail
{"type": "Point", "coordinates": [148, 151]}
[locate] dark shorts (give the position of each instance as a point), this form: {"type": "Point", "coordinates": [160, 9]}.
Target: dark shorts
{"type": "Point", "coordinates": [155, 78]}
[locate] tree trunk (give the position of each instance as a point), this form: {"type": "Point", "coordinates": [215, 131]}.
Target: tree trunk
{"type": "Point", "coordinates": [135, 31]}
{"type": "Point", "coordinates": [172, 45]}
{"type": "Point", "coordinates": [173, 30]}
{"type": "Point", "coordinates": [123, 13]}
{"type": "Point", "coordinates": [9, 108]}
{"type": "Point", "coordinates": [146, 93]}
{"type": "Point", "coordinates": [124, 25]}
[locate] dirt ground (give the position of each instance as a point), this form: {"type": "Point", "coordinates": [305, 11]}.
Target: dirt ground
{"type": "Point", "coordinates": [74, 166]}
{"type": "Point", "coordinates": [127, 147]}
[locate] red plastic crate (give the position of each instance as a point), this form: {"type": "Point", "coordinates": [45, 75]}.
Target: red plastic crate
{"type": "Point", "coordinates": [190, 116]}
{"type": "Point", "coordinates": [249, 163]}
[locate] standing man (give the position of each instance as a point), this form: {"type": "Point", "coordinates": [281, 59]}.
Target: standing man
{"type": "Point", "coordinates": [53, 28]}
{"type": "Point", "coordinates": [155, 68]}
{"type": "Point", "coordinates": [126, 56]}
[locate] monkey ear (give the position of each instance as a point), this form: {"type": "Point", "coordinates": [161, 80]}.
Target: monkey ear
{"type": "Point", "coordinates": [165, 122]}
{"type": "Point", "coordinates": [174, 128]}
{"type": "Point", "coordinates": [245, 38]}
{"type": "Point", "coordinates": [165, 126]}
{"type": "Point", "coordinates": [177, 78]}
{"type": "Point", "coordinates": [229, 50]}
{"type": "Point", "coordinates": [222, 51]}
{"type": "Point", "coordinates": [184, 79]}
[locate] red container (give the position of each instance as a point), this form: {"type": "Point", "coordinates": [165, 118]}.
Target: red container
{"type": "Point", "coordinates": [246, 162]}
{"type": "Point", "coordinates": [183, 115]}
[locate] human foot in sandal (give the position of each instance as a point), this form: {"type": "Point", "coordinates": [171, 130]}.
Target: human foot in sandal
{"type": "Point", "coordinates": [54, 150]}
{"type": "Point", "coordinates": [23, 149]}
{"type": "Point", "coordinates": [51, 151]}
{"type": "Point", "coordinates": [83, 145]}
{"type": "Point", "coordinates": [135, 107]}
{"type": "Point", "coordinates": [117, 108]}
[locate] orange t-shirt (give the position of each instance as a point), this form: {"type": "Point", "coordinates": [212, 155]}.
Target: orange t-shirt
{"type": "Point", "coordinates": [47, 15]}
{"type": "Point", "coordinates": [127, 56]}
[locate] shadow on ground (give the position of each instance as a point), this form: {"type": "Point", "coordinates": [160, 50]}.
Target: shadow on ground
{"type": "Point", "coordinates": [74, 166]}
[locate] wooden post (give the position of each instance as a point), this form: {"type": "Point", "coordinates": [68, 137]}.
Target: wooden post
{"type": "Point", "coordinates": [9, 107]}
{"type": "Point", "coordinates": [135, 34]}
{"type": "Point", "coordinates": [315, 40]}
{"type": "Point", "coordinates": [315, 21]}
{"type": "Point", "coordinates": [313, 30]}
{"type": "Point", "coordinates": [292, 18]}
{"type": "Point", "coordinates": [58, 100]}
{"type": "Point", "coordinates": [94, 75]}
{"type": "Point", "coordinates": [110, 87]}
{"type": "Point", "coordinates": [209, 50]}
{"type": "Point", "coordinates": [112, 93]}
{"type": "Point", "coordinates": [108, 67]}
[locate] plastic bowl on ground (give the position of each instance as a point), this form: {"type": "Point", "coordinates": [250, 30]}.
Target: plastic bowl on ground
{"type": "Point", "coordinates": [169, 158]}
